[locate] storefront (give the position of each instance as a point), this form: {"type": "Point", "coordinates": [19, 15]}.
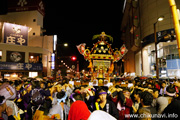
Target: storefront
{"type": "Point", "coordinates": [168, 57]}
{"type": "Point", "coordinates": [15, 64]}
{"type": "Point", "coordinates": [20, 57]}
{"type": "Point", "coordinates": [12, 70]}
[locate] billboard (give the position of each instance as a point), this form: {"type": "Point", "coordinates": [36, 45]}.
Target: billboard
{"type": "Point", "coordinates": [14, 56]}
{"type": "Point", "coordinates": [15, 34]}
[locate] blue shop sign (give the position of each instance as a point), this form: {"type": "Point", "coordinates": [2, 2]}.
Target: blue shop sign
{"type": "Point", "coordinates": [20, 66]}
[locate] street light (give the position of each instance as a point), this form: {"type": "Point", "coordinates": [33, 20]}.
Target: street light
{"type": "Point", "coordinates": [161, 18]}
{"type": "Point", "coordinates": [65, 44]}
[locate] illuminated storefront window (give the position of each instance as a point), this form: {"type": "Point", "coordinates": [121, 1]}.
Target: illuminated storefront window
{"type": "Point", "coordinates": [35, 58]}
{"type": "Point", "coordinates": [33, 74]}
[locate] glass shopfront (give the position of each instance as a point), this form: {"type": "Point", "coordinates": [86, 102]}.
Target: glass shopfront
{"type": "Point", "coordinates": [168, 59]}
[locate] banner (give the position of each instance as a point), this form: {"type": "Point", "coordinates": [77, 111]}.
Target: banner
{"type": "Point", "coordinates": [14, 56]}
{"type": "Point", "coordinates": [15, 34]}
{"type": "Point", "coordinates": [118, 54]}
{"type": "Point", "coordinates": [81, 48]}
{"type": "Point", "coordinates": [123, 50]}
{"type": "Point", "coordinates": [20, 66]}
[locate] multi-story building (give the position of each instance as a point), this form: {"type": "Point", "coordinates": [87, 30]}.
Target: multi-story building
{"type": "Point", "coordinates": [23, 48]}
{"type": "Point", "coordinates": [138, 34]}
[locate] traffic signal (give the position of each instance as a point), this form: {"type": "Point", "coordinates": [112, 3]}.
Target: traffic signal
{"type": "Point", "coordinates": [73, 58]}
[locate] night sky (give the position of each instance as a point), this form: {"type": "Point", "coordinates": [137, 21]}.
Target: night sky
{"type": "Point", "coordinates": [76, 22]}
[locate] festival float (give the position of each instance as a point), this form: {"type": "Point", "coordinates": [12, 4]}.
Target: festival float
{"type": "Point", "coordinates": [101, 58]}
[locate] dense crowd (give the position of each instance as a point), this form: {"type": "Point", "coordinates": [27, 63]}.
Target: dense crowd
{"type": "Point", "coordinates": [124, 100]}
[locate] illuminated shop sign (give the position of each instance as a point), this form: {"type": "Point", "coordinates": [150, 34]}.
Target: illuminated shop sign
{"type": "Point", "coordinates": [53, 61]}
{"type": "Point", "coordinates": [20, 66]}
{"type": "Point", "coordinates": [15, 34]}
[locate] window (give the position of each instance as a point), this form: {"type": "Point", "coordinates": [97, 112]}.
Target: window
{"type": "Point", "coordinates": [35, 58]}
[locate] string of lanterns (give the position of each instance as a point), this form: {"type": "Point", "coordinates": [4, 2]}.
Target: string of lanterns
{"type": "Point", "coordinates": [68, 66]}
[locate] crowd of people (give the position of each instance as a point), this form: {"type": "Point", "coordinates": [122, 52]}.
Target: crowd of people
{"type": "Point", "coordinates": [124, 100]}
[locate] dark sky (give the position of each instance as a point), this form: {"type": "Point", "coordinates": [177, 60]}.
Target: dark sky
{"type": "Point", "coordinates": [76, 22]}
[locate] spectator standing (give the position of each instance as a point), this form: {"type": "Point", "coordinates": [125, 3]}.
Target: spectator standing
{"type": "Point", "coordinates": [60, 107]}
{"type": "Point", "coordinates": [155, 96]}
{"type": "Point", "coordinates": [137, 98]}
{"type": "Point", "coordinates": [124, 104]}
{"type": "Point", "coordinates": [163, 89]}
{"type": "Point", "coordinates": [146, 101]}
{"type": "Point", "coordinates": [78, 111]}
{"type": "Point", "coordinates": [26, 99]}
{"type": "Point", "coordinates": [103, 104]}
{"type": "Point", "coordinates": [173, 106]}
{"type": "Point", "coordinates": [162, 102]}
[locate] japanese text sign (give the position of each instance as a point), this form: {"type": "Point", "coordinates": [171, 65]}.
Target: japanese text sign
{"type": "Point", "coordinates": [20, 66]}
{"type": "Point", "coordinates": [15, 34]}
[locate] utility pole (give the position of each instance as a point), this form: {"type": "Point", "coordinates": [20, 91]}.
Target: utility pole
{"type": "Point", "coordinates": [176, 22]}
{"type": "Point", "coordinates": [161, 18]}
{"type": "Point", "coordinates": [78, 69]}
{"type": "Point", "coordinates": [55, 64]}
{"type": "Point", "coordinates": [155, 42]}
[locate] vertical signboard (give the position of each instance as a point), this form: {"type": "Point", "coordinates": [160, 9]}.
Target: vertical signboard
{"type": "Point", "coordinates": [15, 34]}
{"type": "Point", "coordinates": [53, 61]}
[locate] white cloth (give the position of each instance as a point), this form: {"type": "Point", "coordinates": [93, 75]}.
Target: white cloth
{"type": "Point", "coordinates": [12, 105]}
{"type": "Point", "coordinates": [100, 115]}
{"type": "Point", "coordinates": [162, 102]}
{"type": "Point", "coordinates": [7, 91]}
{"type": "Point", "coordinates": [57, 109]}
{"type": "Point", "coordinates": [119, 107]}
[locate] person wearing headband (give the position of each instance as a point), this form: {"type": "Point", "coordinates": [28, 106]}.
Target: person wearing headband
{"type": "Point", "coordinates": [102, 103]}
{"type": "Point", "coordinates": [60, 107]}
{"type": "Point", "coordinates": [174, 107]}
{"type": "Point", "coordinates": [163, 102]}
{"type": "Point", "coordinates": [74, 97]}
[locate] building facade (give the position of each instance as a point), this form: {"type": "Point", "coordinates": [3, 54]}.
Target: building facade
{"type": "Point", "coordinates": [138, 34]}
{"type": "Point", "coordinates": [24, 50]}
